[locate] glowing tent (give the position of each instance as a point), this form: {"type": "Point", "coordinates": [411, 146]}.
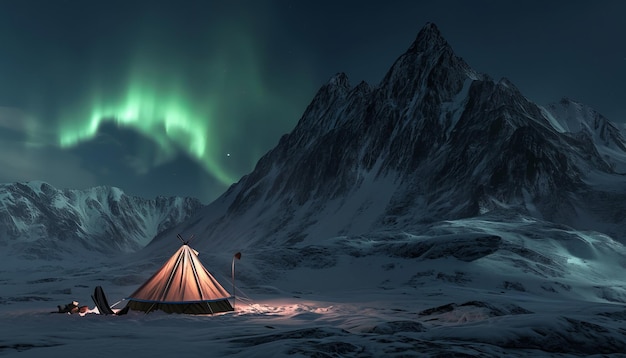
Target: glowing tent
{"type": "Point", "coordinates": [182, 285]}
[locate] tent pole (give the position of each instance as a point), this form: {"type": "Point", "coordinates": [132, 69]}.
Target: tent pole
{"type": "Point", "coordinates": [150, 309]}
{"type": "Point", "coordinates": [117, 303]}
{"type": "Point", "coordinates": [233, 280]}
{"type": "Point", "coordinates": [238, 257]}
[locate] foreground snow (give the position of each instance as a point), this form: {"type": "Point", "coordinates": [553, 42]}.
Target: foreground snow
{"type": "Point", "coordinates": [467, 288]}
{"type": "Point", "coordinates": [376, 325]}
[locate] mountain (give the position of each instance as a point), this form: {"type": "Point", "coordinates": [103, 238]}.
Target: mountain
{"type": "Point", "coordinates": [583, 122]}
{"type": "Point", "coordinates": [37, 219]}
{"type": "Point", "coordinates": [434, 141]}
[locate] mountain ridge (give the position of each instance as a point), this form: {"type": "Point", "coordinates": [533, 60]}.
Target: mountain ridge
{"type": "Point", "coordinates": [37, 219]}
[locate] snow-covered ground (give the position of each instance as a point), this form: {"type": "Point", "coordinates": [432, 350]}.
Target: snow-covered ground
{"type": "Point", "coordinates": [468, 288]}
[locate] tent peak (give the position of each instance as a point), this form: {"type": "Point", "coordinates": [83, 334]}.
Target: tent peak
{"type": "Point", "coordinates": [185, 242]}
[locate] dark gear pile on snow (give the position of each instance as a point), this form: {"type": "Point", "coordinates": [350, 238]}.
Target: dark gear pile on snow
{"type": "Point", "coordinates": [70, 308]}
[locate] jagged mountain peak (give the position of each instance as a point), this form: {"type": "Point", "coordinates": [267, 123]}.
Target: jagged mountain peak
{"type": "Point", "coordinates": [574, 117]}
{"type": "Point", "coordinates": [584, 123]}
{"type": "Point", "coordinates": [336, 88]}
{"type": "Point", "coordinates": [429, 65]}
{"type": "Point", "coordinates": [339, 80]}
{"type": "Point", "coordinates": [434, 141]}
{"type": "Point", "coordinates": [504, 81]}
{"type": "Point", "coordinates": [429, 38]}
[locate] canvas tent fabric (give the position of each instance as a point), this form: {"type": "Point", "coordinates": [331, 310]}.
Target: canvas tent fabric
{"type": "Point", "coordinates": [181, 285]}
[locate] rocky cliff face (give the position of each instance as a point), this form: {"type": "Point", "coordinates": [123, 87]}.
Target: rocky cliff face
{"type": "Point", "coordinates": [434, 141]}
{"type": "Point", "coordinates": [37, 219]}
{"type": "Point", "coordinates": [588, 126]}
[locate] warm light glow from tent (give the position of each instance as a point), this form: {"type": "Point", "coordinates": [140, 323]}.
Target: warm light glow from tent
{"type": "Point", "coordinates": [285, 308]}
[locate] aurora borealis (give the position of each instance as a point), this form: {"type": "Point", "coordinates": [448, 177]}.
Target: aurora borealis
{"type": "Point", "coordinates": [169, 118]}
{"type": "Point", "coordinates": [183, 109]}
{"type": "Point", "coordinates": [183, 97]}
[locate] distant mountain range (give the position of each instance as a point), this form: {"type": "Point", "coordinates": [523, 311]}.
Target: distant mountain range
{"type": "Point", "coordinates": [40, 221]}
{"type": "Point", "coordinates": [435, 140]}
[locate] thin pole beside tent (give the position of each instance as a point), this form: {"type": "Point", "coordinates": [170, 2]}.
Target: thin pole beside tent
{"type": "Point", "coordinates": [238, 257]}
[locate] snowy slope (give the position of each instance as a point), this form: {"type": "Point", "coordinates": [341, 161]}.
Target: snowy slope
{"type": "Point", "coordinates": [489, 286]}
{"type": "Point", "coordinates": [37, 219]}
{"type": "Point", "coordinates": [584, 122]}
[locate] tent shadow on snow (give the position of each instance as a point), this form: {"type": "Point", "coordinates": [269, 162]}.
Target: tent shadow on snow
{"type": "Point", "coordinates": [181, 285]}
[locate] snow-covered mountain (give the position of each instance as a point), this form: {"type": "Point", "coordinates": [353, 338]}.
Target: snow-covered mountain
{"type": "Point", "coordinates": [37, 219]}
{"type": "Point", "coordinates": [583, 122]}
{"type": "Point", "coordinates": [435, 140]}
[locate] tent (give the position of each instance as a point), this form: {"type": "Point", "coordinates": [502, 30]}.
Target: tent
{"type": "Point", "coordinates": [181, 285]}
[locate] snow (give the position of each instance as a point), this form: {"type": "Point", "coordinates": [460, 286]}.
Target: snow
{"type": "Point", "coordinates": [553, 121]}
{"type": "Point", "coordinates": [367, 203]}
{"type": "Point", "coordinates": [456, 106]}
{"type": "Point", "coordinates": [36, 211]}
{"type": "Point", "coordinates": [533, 289]}
{"type": "Point", "coordinates": [35, 185]}
{"type": "Point", "coordinates": [574, 118]}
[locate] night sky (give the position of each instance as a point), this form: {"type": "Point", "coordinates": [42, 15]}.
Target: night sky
{"type": "Point", "coordinates": [183, 97]}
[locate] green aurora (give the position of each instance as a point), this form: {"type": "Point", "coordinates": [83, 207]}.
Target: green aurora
{"type": "Point", "coordinates": [201, 110]}
{"type": "Point", "coordinates": [169, 118]}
